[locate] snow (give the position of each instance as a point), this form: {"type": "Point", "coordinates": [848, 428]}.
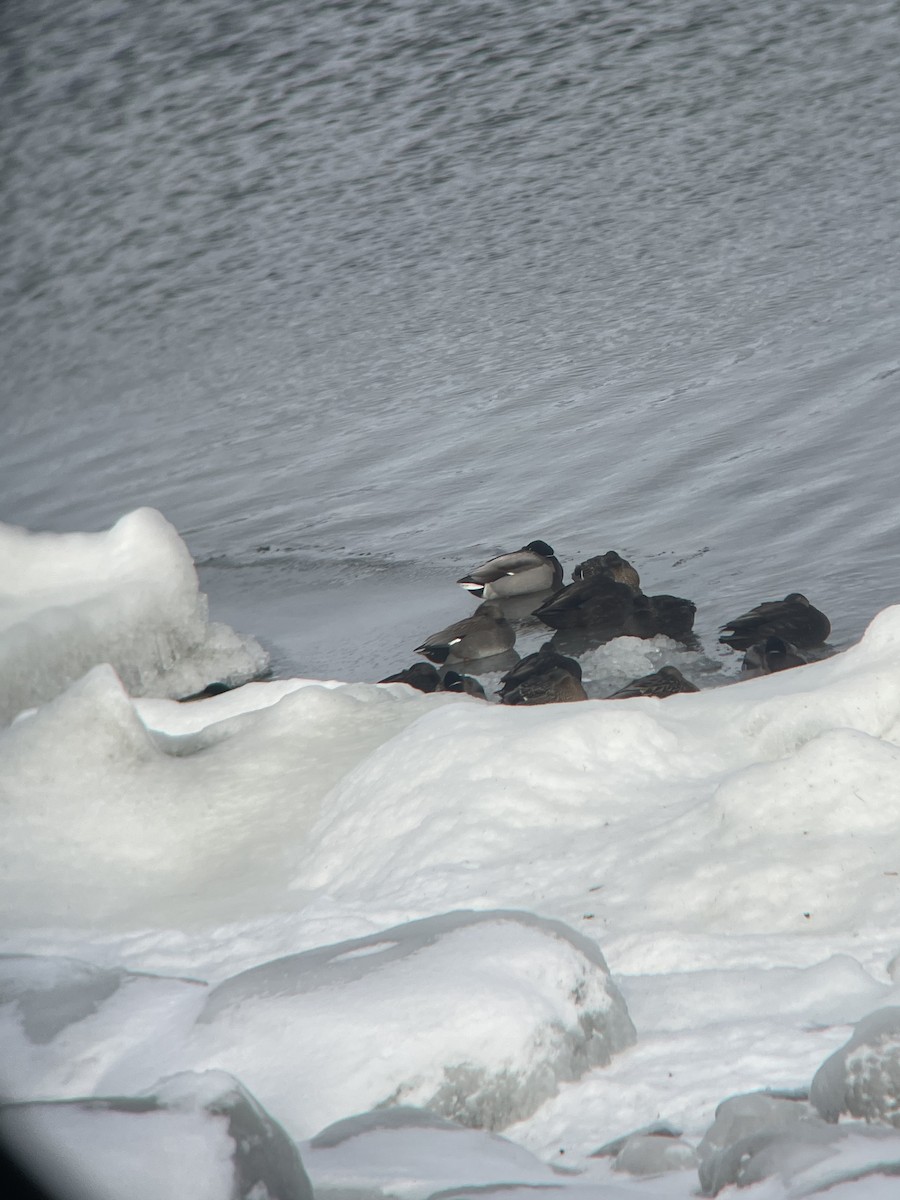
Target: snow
{"type": "Point", "coordinates": [394, 911]}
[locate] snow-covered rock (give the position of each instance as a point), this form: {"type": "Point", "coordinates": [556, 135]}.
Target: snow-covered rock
{"type": "Point", "coordinates": [862, 1078]}
{"type": "Point", "coordinates": [67, 1027]}
{"type": "Point", "coordinates": [198, 1136]}
{"type": "Point", "coordinates": [484, 1015]}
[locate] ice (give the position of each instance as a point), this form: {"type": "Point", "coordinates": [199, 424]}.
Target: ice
{"type": "Point", "coordinates": [128, 597]}
{"type": "Point", "coordinates": [484, 1014]}
{"type": "Point", "coordinates": [203, 1137]}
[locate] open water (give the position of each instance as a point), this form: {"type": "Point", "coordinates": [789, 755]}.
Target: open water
{"type": "Point", "coordinates": [359, 293]}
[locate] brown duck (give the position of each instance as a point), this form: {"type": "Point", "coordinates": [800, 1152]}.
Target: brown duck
{"type": "Point", "coordinates": [667, 681]}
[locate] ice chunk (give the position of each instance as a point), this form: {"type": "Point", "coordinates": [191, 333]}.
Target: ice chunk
{"type": "Point", "coordinates": [480, 1016]}
{"type": "Point", "coordinates": [203, 1137]}
{"type": "Point", "coordinates": [863, 1077]}
{"type": "Point", "coordinates": [128, 597]}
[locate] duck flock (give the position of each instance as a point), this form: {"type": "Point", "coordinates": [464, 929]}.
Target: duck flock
{"type": "Point", "coordinates": [603, 601]}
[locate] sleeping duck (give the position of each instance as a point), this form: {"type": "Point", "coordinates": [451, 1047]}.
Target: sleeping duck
{"type": "Point", "coordinates": [463, 684]}
{"type": "Point", "coordinates": [792, 619]}
{"type": "Point", "coordinates": [554, 685]}
{"type": "Point", "coordinates": [539, 663]}
{"type": "Point", "coordinates": [531, 569]}
{"type": "Point", "coordinates": [774, 654]}
{"type": "Point", "coordinates": [667, 681]}
{"type": "Point", "coordinates": [421, 676]}
{"type": "Point", "coordinates": [487, 632]}
{"type": "Point", "coordinates": [598, 604]}
{"type": "Point", "coordinates": [611, 563]}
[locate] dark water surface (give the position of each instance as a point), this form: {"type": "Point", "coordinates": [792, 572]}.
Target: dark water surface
{"type": "Point", "coordinates": [387, 287]}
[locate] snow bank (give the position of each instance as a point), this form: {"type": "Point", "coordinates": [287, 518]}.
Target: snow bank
{"type": "Point", "coordinates": [734, 851]}
{"type": "Point", "coordinates": [128, 597]}
{"type": "Point", "coordinates": [112, 823]}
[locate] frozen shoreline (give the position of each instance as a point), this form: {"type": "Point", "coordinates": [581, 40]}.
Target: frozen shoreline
{"type": "Point", "coordinates": [731, 853]}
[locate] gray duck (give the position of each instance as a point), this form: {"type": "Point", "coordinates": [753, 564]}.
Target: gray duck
{"type": "Point", "coordinates": [534, 568]}
{"type": "Point", "coordinates": [487, 632]}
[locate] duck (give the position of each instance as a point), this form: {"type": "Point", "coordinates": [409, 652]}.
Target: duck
{"type": "Point", "coordinates": [611, 563]}
{"type": "Point", "coordinates": [792, 619]}
{"type": "Point", "coordinates": [555, 685]}
{"type": "Point", "coordinates": [774, 654]}
{"type": "Point", "coordinates": [534, 568]}
{"type": "Point", "coordinates": [487, 632]}
{"type": "Point", "coordinates": [671, 616]}
{"type": "Point", "coordinates": [599, 604]}
{"type": "Point", "coordinates": [667, 681]}
{"type": "Point", "coordinates": [545, 659]}
{"type": "Point", "coordinates": [421, 676]}
{"type": "Point", "coordinates": [465, 684]}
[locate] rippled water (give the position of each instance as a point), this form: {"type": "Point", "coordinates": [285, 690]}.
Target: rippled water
{"type": "Point", "coordinates": [363, 292]}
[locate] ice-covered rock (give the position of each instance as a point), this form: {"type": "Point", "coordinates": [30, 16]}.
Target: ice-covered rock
{"type": "Point", "coordinates": [65, 1025]}
{"type": "Point", "coordinates": [128, 597]}
{"type": "Point", "coordinates": [755, 1135]}
{"type": "Point", "coordinates": [651, 1154]}
{"type": "Point", "coordinates": [411, 1152]}
{"type": "Point", "coordinates": [651, 1150]}
{"type": "Point", "coordinates": [485, 1014]}
{"type": "Point", "coordinates": [198, 1136]}
{"type": "Point", "coordinates": [862, 1078]}
{"type": "Point", "coordinates": [661, 1129]}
